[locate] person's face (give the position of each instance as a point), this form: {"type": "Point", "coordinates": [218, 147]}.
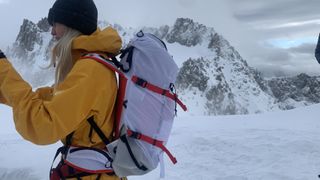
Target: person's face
{"type": "Point", "coordinates": [58, 30]}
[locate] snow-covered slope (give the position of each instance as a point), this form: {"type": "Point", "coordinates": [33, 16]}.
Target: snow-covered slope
{"type": "Point", "coordinates": [215, 76]}
{"type": "Point", "coordinates": [272, 146]}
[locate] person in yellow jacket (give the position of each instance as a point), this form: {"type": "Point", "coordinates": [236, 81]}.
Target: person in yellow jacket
{"type": "Point", "coordinates": [83, 88]}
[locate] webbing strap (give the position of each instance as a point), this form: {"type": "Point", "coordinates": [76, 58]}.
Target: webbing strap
{"type": "Point", "coordinates": [143, 83]}
{"type": "Point", "coordinates": [69, 139]}
{"type": "Point", "coordinates": [125, 141]}
{"type": "Point", "coordinates": [98, 130]}
{"type": "Point", "coordinates": [119, 105]}
{"type": "Point", "coordinates": [152, 141]}
{"type": "Point", "coordinates": [61, 149]}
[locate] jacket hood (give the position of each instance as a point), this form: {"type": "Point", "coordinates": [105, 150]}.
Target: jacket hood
{"type": "Point", "coordinates": [106, 41]}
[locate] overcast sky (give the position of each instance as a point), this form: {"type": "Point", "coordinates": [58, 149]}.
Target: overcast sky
{"type": "Point", "coordinates": [277, 37]}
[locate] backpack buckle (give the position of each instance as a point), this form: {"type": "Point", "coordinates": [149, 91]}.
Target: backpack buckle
{"type": "Point", "coordinates": [140, 33]}
{"type": "Point", "coordinates": [133, 134]}
{"type": "Point", "coordinates": [141, 82]}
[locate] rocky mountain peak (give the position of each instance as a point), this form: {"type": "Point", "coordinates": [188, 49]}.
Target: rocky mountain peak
{"type": "Point", "coordinates": [31, 38]}
{"type": "Point", "coordinates": [187, 32]}
{"type": "Point", "coordinates": [44, 25]}
{"type": "Point", "coordinates": [302, 88]}
{"type": "Point", "coordinates": [28, 35]}
{"type": "Point", "coordinates": [214, 79]}
{"type": "Point", "coordinates": [193, 74]}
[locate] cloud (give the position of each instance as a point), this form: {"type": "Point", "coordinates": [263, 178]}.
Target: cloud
{"type": "Point", "coordinates": [4, 1]}
{"type": "Point", "coordinates": [251, 26]}
{"type": "Point", "coordinates": [287, 62]}
{"type": "Point", "coordinates": [274, 11]}
{"type": "Point", "coordinates": [305, 48]}
{"type": "Point", "coordinates": [18, 10]}
{"type": "Point", "coordinates": [283, 34]}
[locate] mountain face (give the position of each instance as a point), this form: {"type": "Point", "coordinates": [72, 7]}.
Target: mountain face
{"type": "Point", "coordinates": [222, 81]}
{"type": "Point", "coordinates": [213, 80]}
{"type": "Point", "coordinates": [30, 53]}
{"type": "Point", "coordinates": [187, 33]}
{"type": "Point", "coordinates": [295, 91]}
{"type": "Point", "coordinates": [32, 40]}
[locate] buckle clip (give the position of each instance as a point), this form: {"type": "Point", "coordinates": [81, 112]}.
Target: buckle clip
{"type": "Point", "coordinates": [141, 82]}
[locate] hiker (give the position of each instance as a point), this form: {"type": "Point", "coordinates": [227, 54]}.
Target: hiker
{"type": "Point", "coordinates": [83, 89]}
{"type": "Point", "coordinates": [317, 51]}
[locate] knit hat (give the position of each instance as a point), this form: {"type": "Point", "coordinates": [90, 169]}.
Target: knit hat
{"type": "Point", "coordinates": [81, 15]}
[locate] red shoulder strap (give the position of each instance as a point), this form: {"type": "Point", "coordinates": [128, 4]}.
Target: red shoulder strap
{"type": "Point", "coordinates": [108, 63]}
{"type": "Point", "coordinates": [122, 82]}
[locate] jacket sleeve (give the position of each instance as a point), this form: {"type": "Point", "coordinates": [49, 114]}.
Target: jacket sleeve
{"type": "Point", "coordinates": [45, 93]}
{"type": "Point", "coordinates": [317, 51]}
{"type": "Point", "coordinates": [42, 119]}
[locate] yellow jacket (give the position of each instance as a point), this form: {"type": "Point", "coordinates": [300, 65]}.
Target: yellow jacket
{"type": "Point", "coordinates": [47, 115]}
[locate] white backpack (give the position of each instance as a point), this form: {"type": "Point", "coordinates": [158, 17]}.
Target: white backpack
{"type": "Point", "coordinates": [145, 110]}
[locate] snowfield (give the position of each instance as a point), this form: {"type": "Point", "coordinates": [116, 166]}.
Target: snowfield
{"type": "Point", "coordinates": [283, 145]}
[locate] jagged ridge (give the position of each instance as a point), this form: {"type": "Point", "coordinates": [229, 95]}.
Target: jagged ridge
{"type": "Point", "coordinates": [215, 80]}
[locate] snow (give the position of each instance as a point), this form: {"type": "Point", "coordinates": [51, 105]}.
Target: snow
{"type": "Point", "coordinates": [282, 145]}
{"type": "Point", "coordinates": [188, 52]}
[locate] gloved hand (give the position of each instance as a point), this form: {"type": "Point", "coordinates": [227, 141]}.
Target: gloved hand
{"type": "Point", "coordinates": [2, 54]}
{"type": "Point", "coordinates": [317, 51]}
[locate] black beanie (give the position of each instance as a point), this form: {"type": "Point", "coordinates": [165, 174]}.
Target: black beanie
{"type": "Point", "coordinates": [81, 15]}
